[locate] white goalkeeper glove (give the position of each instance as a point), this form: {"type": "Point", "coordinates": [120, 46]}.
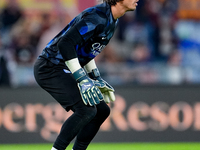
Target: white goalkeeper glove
{"type": "Point", "coordinates": [89, 92]}
{"type": "Point", "coordinates": [106, 89]}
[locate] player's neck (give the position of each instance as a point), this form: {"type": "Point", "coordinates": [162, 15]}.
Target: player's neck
{"type": "Point", "coordinates": [118, 11]}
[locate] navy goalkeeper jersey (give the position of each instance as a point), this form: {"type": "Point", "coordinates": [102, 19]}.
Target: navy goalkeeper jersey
{"type": "Point", "coordinates": [96, 30]}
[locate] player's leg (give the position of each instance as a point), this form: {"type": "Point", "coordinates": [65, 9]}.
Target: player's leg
{"type": "Point", "coordinates": [86, 135]}
{"type": "Point", "coordinates": [82, 115]}
{"type": "Point", "coordinates": [63, 88]}
{"type": "Point", "coordinates": [59, 83]}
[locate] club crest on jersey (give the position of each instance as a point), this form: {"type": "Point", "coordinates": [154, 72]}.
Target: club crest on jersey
{"type": "Point", "coordinates": [103, 38]}
{"type": "Point", "coordinates": [97, 48]}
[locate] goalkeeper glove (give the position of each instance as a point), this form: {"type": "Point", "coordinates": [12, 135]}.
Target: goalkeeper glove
{"type": "Point", "coordinates": [106, 89]}
{"type": "Point", "coordinates": [89, 92]}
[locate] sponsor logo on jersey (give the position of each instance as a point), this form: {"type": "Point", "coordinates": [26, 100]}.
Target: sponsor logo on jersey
{"type": "Point", "coordinates": [97, 48]}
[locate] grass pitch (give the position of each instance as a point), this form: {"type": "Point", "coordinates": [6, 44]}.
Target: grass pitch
{"type": "Point", "coordinates": [109, 146]}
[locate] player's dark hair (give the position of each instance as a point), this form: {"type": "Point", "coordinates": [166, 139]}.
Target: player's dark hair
{"type": "Point", "coordinates": [112, 2]}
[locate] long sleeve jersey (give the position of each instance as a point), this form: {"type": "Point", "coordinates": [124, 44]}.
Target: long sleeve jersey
{"type": "Point", "coordinates": [94, 25]}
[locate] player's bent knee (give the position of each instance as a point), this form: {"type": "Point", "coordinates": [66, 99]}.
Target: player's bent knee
{"type": "Point", "coordinates": [103, 110]}
{"type": "Point", "coordinates": [91, 112]}
{"type": "Point", "coordinates": [87, 112]}
{"type": "Point", "coordinates": [106, 112]}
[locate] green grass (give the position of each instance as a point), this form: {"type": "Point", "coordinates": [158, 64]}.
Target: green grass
{"type": "Point", "coordinates": [109, 146]}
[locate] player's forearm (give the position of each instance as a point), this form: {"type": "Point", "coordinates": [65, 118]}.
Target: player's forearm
{"type": "Point", "coordinates": [67, 49]}
{"type": "Point", "coordinates": [68, 42]}
{"type": "Point", "coordinates": [73, 65]}
{"type": "Point", "coordinates": [90, 66]}
{"type": "Point", "coordinates": [92, 70]}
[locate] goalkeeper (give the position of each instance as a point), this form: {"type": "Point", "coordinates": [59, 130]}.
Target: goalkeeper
{"type": "Point", "coordinates": [67, 71]}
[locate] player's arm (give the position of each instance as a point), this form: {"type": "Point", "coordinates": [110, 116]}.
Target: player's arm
{"type": "Point", "coordinates": [106, 89]}
{"type": "Point", "coordinates": [89, 92]}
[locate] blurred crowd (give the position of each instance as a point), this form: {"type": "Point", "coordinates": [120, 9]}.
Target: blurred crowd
{"type": "Point", "coordinates": [151, 45]}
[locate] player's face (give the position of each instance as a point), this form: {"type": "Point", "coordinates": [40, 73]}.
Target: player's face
{"type": "Point", "coordinates": [130, 5]}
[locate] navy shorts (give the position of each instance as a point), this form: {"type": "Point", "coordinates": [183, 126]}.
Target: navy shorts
{"type": "Point", "coordinates": [58, 82]}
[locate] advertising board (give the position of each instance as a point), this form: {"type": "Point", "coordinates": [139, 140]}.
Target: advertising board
{"type": "Point", "coordinates": [139, 114]}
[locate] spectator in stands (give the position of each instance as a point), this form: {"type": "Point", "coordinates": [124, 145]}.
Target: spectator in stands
{"type": "Point", "coordinates": [52, 30]}
{"type": "Point", "coordinates": [22, 50]}
{"type": "Point", "coordinates": [9, 16]}
{"type": "Point", "coordinates": [140, 54]}
{"type": "Point", "coordinates": [4, 73]}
